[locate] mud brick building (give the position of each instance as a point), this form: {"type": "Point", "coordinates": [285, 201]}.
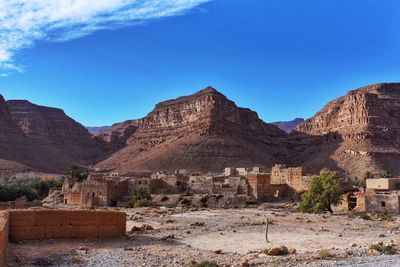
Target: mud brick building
{"type": "Point", "coordinates": [381, 195]}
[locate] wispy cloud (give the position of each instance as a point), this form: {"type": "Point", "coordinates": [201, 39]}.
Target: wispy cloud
{"type": "Point", "coordinates": [24, 22]}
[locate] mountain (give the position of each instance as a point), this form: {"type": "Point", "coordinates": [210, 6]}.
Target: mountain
{"type": "Point", "coordinates": [13, 144]}
{"type": "Point", "coordinates": [44, 139]}
{"type": "Point", "coordinates": [206, 132]}
{"type": "Point", "coordinates": [119, 133]}
{"type": "Point", "coordinates": [97, 129]}
{"type": "Point", "coordinates": [356, 133]}
{"type": "Point", "coordinates": [288, 126]}
{"type": "Point", "coordinates": [201, 132]}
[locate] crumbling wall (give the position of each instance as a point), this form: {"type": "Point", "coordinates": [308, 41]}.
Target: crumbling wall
{"type": "Point", "coordinates": [360, 202]}
{"type": "Point", "coordinates": [383, 203]}
{"type": "Point", "coordinates": [65, 224]}
{"type": "Point", "coordinates": [4, 224]}
{"type": "Point", "coordinates": [73, 198]}
{"type": "Point", "coordinates": [262, 189]}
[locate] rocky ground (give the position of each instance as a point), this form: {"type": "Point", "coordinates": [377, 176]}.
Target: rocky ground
{"type": "Point", "coordinates": [178, 237]}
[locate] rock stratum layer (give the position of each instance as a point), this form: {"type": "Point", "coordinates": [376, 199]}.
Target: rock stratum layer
{"type": "Point", "coordinates": [201, 132]}
{"type": "Point", "coordinates": [356, 133]}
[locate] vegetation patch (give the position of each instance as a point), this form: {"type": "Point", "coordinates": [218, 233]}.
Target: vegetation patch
{"type": "Point", "coordinates": [13, 188]}
{"type": "Point", "coordinates": [141, 198]}
{"type": "Point", "coordinates": [324, 190]}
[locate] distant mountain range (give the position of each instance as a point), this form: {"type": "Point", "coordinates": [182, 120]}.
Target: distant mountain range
{"type": "Point", "coordinates": [205, 132]}
{"type": "Point", "coordinates": [288, 126]}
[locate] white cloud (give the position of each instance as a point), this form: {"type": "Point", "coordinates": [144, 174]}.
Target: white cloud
{"type": "Point", "coordinates": [23, 22]}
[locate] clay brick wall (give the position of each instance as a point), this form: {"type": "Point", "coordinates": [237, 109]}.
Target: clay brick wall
{"type": "Point", "coordinates": [73, 198]}
{"type": "Point", "coordinates": [389, 203]}
{"type": "Point", "coordinates": [4, 223]}
{"type": "Point", "coordinates": [262, 189]}
{"type": "Point", "coordinates": [65, 224]}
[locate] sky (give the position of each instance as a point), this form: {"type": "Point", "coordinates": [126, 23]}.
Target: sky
{"type": "Point", "coordinates": [106, 61]}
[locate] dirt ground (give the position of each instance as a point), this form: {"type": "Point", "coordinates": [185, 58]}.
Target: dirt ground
{"type": "Point", "coordinates": [176, 237]}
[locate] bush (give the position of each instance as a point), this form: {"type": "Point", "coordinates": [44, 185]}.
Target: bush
{"type": "Point", "coordinates": [382, 249]}
{"type": "Point", "coordinates": [323, 191]}
{"type": "Point", "coordinates": [12, 189]}
{"type": "Point", "coordinates": [324, 254]}
{"type": "Point", "coordinates": [76, 174]}
{"type": "Point", "coordinates": [141, 198]}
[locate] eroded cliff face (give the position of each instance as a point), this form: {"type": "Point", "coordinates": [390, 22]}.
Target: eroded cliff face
{"type": "Point", "coordinates": [13, 144]}
{"type": "Point", "coordinates": [359, 132]}
{"type": "Point", "coordinates": [119, 133]}
{"type": "Point", "coordinates": [202, 132]}
{"type": "Point", "coordinates": [52, 129]}
{"type": "Point", "coordinates": [43, 139]}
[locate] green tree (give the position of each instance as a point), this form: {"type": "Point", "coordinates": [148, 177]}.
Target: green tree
{"type": "Point", "coordinates": [141, 198]}
{"type": "Point", "coordinates": [323, 191]}
{"type": "Point", "coordinates": [76, 174]}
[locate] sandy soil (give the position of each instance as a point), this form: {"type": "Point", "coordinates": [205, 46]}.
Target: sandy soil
{"type": "Point", "coordinates": [228, 237]}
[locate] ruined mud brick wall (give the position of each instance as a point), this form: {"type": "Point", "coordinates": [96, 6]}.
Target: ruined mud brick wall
{"type": "Point", "coordinates": [65, 224]}
{"type": "Point", "coordinates": [73, 198]}
{"type": "Point", "coordinates": [297, 179]}
{"type": "Point", "coordinates": [360, 202]}
{"type": "Point", "coordinates": [96, 193]}
{"type": "Point", "coordinates": [160, 186]}
{"type": "Point", "coordinates": [201, 185]}
{"type": "Point", "coordinates": [294, 177]}
{"type": "Point", "coordinates": [279, 174]}
{"type": "Point", "coordinates": [262, 189]}
{"type": "Point", "coordinates": [4, 224]}
{"type": "Point", "coordinates": [383, 203]}
{"type": "Point", "coordinates": [136, 183]}
{"type": "Point", "coordinates": [120, 190]}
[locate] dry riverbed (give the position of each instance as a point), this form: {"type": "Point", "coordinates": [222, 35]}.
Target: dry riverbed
{"type": "Point", "coordinates": [176, 237]}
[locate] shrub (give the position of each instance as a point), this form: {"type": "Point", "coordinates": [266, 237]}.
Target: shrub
{"type": "Point", "coordinates": [324, 254]}
{"type": "Point", "coordinates": [382, 249]}
{"type": "Point", "coordinates": [76, 174]}
{"type": "Point", "coordinates": [12, 189]}
{"type": "Point", "coordinates": [141, 198]}
{"type": "Point", "coordinates": [323, 191]}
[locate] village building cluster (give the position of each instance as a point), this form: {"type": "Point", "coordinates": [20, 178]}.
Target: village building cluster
{"type": "Point", "coordinates": [260, 184]}
{"type": "Point", "coordinates": [112, 189]}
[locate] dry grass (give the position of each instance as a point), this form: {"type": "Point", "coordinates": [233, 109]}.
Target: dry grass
{"type": "Point", "coordinates": [324, 254]}
{"type": "Point", "coordinates": [77, 259]}
{"type": "Point", "coordinates": [383, 249]}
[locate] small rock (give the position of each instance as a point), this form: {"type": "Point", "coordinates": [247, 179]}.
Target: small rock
{"type": "Point", "coordinates": [218, 251]}
{"type": "Point", "coordinates": [244, 263]}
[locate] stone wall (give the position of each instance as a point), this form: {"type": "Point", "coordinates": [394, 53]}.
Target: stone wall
{"type": "Point", "coordinates": [65, 224]}
{"type": "Point", "coordinates": [3, 237]}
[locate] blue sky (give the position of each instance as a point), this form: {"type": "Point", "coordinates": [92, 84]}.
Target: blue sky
{"type": "Point", "coordinates": [281, 58]}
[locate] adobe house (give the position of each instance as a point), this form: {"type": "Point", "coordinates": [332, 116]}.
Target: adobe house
{"type": "Point", "coordinates": [294, 177]}
{"type": "Point", "coordinates": [260, 187]}
{"type": "Point", "coordinates": [381, 195]}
